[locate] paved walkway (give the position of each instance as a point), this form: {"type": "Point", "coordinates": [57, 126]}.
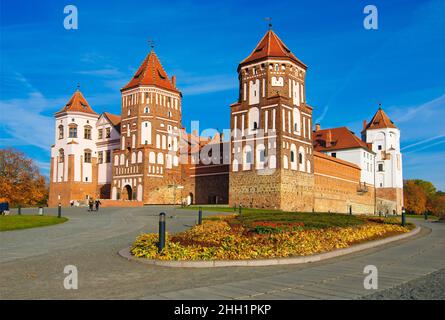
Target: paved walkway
{"type": "Point", "coordinates": [32, 263]}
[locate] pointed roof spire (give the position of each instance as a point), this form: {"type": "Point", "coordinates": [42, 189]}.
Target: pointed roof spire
{"type": "Point", "coordinates": [380, 120]}
{"type": "Point", "coordinates": [151, 72]}
{"type": "Point", "coordinates": [77, 103]}
{"type": "Point", "coordinates": [271, 46]}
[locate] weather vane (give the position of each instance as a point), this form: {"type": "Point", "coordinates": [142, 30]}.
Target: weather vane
{"type": "Point", "coordinates": [270, 22]}
{"type": "Point", "coordinates": [151, 43]}
{"type": "Point", "coordinates": [78, 86]}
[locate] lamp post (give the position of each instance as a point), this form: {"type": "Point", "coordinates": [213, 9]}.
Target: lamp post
{"type": "Point", "coordinates": [59, 210]}
{"type": "Point", "coordinates": [200, 215]}
{"type": "Point", "coordinates": [19, 212]}
{"type": "Point", "coordinates": [161, 243]}
{"type": "Point", "coordinates": [403, 216]}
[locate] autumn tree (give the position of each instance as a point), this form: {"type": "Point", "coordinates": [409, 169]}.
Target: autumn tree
{"type": "Point", "coordinates": [438, 207]}
{"type": "Point", "coordinates": [20, 180]}
{"type": "Point", "coordinates": [415, 197]}
{"type": "Point", "coordinates": [430, 191]}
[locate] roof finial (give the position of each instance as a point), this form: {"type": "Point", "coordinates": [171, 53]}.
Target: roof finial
{"type": "Point", "coordinates": [270, 22]}
{"type": "Point", "coordinates": [380, 105]}
{"type": "Point", "coordinates": [78, 86]}
{"type": "Point", "coordinates": [151, 43]}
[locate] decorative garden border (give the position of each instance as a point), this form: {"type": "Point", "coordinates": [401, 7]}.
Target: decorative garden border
{"type": "Point", "coordinates": [267, 262]}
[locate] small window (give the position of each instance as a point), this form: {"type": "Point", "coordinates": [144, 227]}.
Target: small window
{"type": "Point", "coordinates": [108, 156]}
{"type": "Point", "coordinates": [60, 132]}
{"type": "Point", "coordinates": [334, 154]}
{"type": "Point", "coordinates": [379, 147]}
{"type": "Point", "coordinates": [100, 157]}
{"type": "Point", "coordinates": [292, 156]}
{"type": "Point", "coordinates": [248, 157]}
{"type": "Point", "coordinates": [276, 67]}
{"type": "Point", "coordinates": [147, 110]}
{"type": "Point", "coordinates": [61, 155]}
{"type": "Point", "coordinates": [255, 125]}
{"type": "Point", "coordinates": [380, 169]}
{"type": "Point", "coordinates": [107, 132]}
{"type": "Point", "coordinates": [100, 133]}
{"type": "Point", "coordinates": [73, 132]}
{"type": "Point", "coordinates": [300, 158]}
{"type": "Point", "coordinates": [87, 156]}
{"type": "Point", "coordinates": [87, 133]}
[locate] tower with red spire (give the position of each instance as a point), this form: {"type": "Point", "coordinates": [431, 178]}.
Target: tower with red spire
{"type": "Point", "coordinates": [272, 158]}
{"type": "Point", "coordinates": [147, 164]}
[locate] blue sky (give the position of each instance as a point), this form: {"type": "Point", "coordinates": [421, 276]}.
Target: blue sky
{"type": "Point", "coordinates": [351, 69]}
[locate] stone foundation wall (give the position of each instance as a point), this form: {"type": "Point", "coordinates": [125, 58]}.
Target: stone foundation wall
{"type": "Point", "coordinates": [297, 191]}
{"type": "Point", "coordinates": [389, 200]}
{"type": "Point", "coordinates": [255, 191]}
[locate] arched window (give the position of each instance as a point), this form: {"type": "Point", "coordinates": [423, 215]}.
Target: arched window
{"type": "Point", "coordinates": [301, 158]}
{"type": "Point", "coordinates": [116, 160]}
{"type": "Point", "coordinates": [296, 120]}
{"type": "Point", "coordinates": [247, 157]}
{"type": "Point", "coordinates": [160, 158]}
{"type": "Point", "coordinates": [139, 156]}
{"type": "Point", "coordinates": [147, 109]}
{"type": "Point", "coordinates": [61, 155]}
{"type": "Point", "coordinates": [133, 157]}
{"type": "Point", "coordinates": [152, 157]}
{"type": "Point", "coordinates": [60, 132]}
{"type": "Point", "coordinates": [285, 162]}
{"type": "Point", "coordinates": [293, 157]}
{"type": "Point", "coordinates": [254, 118]}
{"type": "Point", "coordinates": [72, 131]}
{"type": "Point", "coordinates": [260, 156]}
{"type": "Point", "coordinates": [122, 162]}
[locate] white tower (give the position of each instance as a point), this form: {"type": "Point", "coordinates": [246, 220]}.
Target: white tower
{"type": "Point", "coordinates": [384, 136]}
{"type": "Point", "coordinates": [73, 173]}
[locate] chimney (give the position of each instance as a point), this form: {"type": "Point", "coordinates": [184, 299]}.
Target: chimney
{"type": "Point", "coordinates": [328, 139]}
{"type": "Point", "coordinates": [364, 124]}
{"type": "Point", "coordinates": [317, 127]}
{"type": "Point", "coordinates": [174, 81]}
{"type": "Point", "coordinates": [195, 133]}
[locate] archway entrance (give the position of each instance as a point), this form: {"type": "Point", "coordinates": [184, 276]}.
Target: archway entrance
{"type": "Point", "coordinates": [127, 193]}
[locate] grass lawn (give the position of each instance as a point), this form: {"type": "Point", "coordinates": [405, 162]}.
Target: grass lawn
{"type": "Point", "coordinates": [24, 222]}
{"type": "Point", "coordinates": [420, 216]}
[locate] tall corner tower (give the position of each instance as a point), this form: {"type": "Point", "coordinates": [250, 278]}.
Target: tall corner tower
{"type": "Point", "coordinates": [271, 123]}
{"type": "Point", "coordinates": [73, 172]}
{"type": "Point", "coordinates": [384, 136]}
{"type": "Point", "coordinates": [146, 168]}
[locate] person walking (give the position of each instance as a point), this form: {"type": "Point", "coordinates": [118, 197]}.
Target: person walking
{"type": "Point", "coordinates": [90, 204]}
{"type": "Point", "coordinates": [98, 203]}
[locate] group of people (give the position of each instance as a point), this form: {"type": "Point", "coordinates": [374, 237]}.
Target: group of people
{"type": "Point", "coordinates": [93, 204]}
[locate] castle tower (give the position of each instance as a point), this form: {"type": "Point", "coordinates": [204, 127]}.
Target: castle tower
{"type": "Point", "coordinates": [146, 168]}
{"type": "Point", "coordinates": [384, 136]}
{"type": "Point", "coordinates": [272, 156]}
{"type": "Point", "coordinates": [73, 172]}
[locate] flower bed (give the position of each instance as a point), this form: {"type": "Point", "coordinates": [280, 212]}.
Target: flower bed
{"type": "Point", "coordinates": [228, 239]}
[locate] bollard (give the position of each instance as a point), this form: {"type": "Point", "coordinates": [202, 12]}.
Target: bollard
{"type": "Point", "coordinates": [350, 210]}
{"type": "Point", "coordinates": [40, 211]}
{"type": "Point", "coordinates": [19, 210]}
{"type": "Point", "coordinates": [161, 243]}
{"type": "Point", "coordinates": [403, 217]}
{"type": "Point", "coordinates": [239, 208]}
{"type": "Point", "coordinates": [200, 216]}
{"type": "Point", "coordinates": [426, 215]}
{"type": "Point", "coordinates": [59, 211]}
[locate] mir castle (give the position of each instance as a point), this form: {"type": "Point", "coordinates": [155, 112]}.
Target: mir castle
{"type": "Point", "coordinates": [272, 157]}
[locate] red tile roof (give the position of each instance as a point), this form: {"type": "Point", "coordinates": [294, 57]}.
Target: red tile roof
{"type": "Point", "coordinates": [271, 46]}
{"type": "Point", "coordinates": [337, 139]}
{"type": "Point", "coordinates": [380, 120]}
{"type": "Point", "coordinates": [114, 119]}
{"type": "Point", "coordinates": [151, 72]}
{"type": "Point", "coordinates": [77, 103]}
{"type": "Point", "coordinates": [330, 158]}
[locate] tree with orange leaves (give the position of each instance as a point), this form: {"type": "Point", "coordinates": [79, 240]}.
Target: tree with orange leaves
{"type": "Point", "coordinates": [415, 198]}
{"type": "Point", "coordinates": [20, 180]}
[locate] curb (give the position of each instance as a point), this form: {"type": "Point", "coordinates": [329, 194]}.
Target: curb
{"type": "Point", "coordinates": [125, 253]}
